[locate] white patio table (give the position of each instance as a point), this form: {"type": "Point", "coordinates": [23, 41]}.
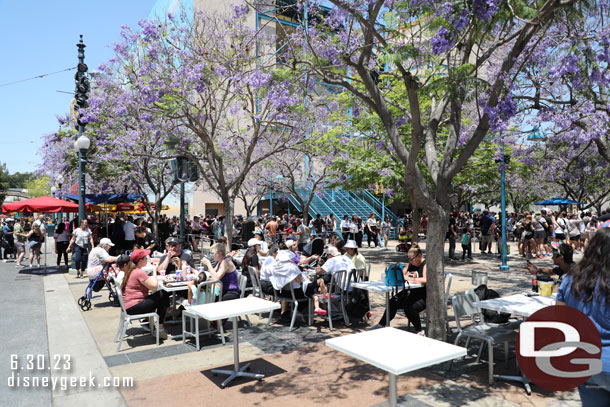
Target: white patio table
{"type": "Point", "coordinates": [395, 351]}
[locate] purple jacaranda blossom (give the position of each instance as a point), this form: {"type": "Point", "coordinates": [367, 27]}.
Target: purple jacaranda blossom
{"type": "Point", "coordinates": [442, 41]}
{"type": "Point", "coordinates": [485, 9]}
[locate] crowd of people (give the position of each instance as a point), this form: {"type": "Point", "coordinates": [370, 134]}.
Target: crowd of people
{"type": "Point", "coordinates": [533, 231]}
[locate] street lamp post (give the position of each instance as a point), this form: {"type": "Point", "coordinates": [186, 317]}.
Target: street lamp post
{"type": "Point", "coordinates": [53, 191]}
{"type": "Point", "coordinates": [60, 182]}
{"type": "Point", "coordinates": [81, 145]}
{"type": "Point", "coordinates": [504, 266]}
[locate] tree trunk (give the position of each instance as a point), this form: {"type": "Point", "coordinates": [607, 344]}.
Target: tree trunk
{"type": "Point", "coordinates": [157, 214]}
{"type": "Point", "coordinates": [228, 206]}
{"type": "Point", "coordinates": [438, 222]}
{"type": "Point", "coordinates": [416, 221]}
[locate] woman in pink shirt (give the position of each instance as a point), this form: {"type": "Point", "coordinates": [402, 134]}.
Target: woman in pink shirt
{"type": "Point", "coordinates": [135, 287]}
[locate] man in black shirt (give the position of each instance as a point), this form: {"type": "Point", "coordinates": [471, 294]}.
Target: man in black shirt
{"type": "Point", "coordinates": [175, 257]}
{"type": "Point", "coordinates": [145, 240]}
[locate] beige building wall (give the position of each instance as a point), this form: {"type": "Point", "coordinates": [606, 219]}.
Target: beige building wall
{"type": "Point", "coordinates": [205, 202]}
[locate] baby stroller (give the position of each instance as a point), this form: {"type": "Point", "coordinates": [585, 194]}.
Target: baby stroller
{"type": "Point", "coordinates": [103, 278]}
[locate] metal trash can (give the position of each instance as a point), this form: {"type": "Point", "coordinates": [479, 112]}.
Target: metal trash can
{"type": "Point", "coordinates": [479, 277]}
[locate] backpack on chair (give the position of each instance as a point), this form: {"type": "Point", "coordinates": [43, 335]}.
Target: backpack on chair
{"type": "Point", "coordinates": [494, 317]}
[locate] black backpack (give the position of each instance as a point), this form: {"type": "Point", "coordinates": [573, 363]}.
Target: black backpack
{"type": "Point", "coordinates": [358, 305]}
{"type": "Point", "coordinates": [494, 317]}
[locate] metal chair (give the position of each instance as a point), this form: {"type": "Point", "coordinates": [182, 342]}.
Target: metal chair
{"type": "Point", "coordinates": [463, 306]}
{"type": "Point", "coordinates": [153, 319]}
{"type": "Point", "coordinates": [209, 288]}
{"type": "Point", "coordinates": [257, 291]}
{"type": "Point", "coordinates": [336, 294]}
{"type": "Point", "coordinates": [294, 302]}
{"type": "Point", "coordinates": [243, 281]}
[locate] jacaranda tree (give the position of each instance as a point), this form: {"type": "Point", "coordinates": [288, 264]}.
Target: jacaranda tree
{"type": "Point", "coordinates": [462, 56]}
{"type": "Point", "coordinates": [215, 79]}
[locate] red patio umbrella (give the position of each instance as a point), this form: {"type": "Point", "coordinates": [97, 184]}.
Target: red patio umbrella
{"type": "Point", "coordinates": [41, 204]}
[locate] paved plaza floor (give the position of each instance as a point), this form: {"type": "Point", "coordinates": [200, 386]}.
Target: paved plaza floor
{"type": "Point", "coordinates": [42, 318]}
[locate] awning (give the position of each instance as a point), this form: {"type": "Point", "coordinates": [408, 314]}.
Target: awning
{"type": "Point", "coordinates": [41, 204]}
{"type": "Point", "coordinates": [558, 201]}
{"type": "Point", "coordinates": [96, 199]}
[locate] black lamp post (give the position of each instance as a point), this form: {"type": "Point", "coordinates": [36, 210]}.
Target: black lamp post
{"type": "Point", "coordinates": [81, 145]}
{"type": "Point", "coordinates": [60, 181]}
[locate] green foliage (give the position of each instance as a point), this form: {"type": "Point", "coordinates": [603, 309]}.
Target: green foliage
{"type": "Point", "coordinates": [38, 186]}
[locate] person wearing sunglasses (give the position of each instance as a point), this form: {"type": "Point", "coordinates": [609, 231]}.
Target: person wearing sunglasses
{"type": "Point", "coordinates": [411, 301]}
{"type": "Point", "coordinates": [175, 256]}
{"type": "Point", "coordinates": [563, 259]}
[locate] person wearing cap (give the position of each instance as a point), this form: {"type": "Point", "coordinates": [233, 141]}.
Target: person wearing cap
{"type": "Point", "coordinates": [135, 287]}
{"type": "Point", "coordinates": [98, 256]}
{"type": "Point", "coordinates": [263, 250]}
{"type": "Point", "coordinates": [358, 259]}
{"type": "Point", "coordinates": [175, 256]}
{"type": "Point", "coordinates": [251, 256]}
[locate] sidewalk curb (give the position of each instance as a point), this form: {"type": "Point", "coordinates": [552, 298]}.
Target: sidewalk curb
{"type": "Point", "coordinates": [68, 334]}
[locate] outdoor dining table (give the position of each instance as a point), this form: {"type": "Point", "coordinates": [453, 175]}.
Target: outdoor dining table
{"type": "Point", "coordinates": [396, 352]}
{"type": "Point", "coordinates": [233, 309]}
{"type": "Point", "coordinates": [174, 286]}
{"type": "Point", "coordinates": [521, 305]}
{"type": "Point", "coordinates": [380, 287]}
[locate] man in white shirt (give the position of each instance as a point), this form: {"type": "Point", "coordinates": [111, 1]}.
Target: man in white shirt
{"type": "Point", "coordinates": [130, 233]}
{"type": "Point", "coordinates": [284, 271]}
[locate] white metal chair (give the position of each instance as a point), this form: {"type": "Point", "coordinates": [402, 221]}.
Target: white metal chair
{"type": "Point", "coordinates": [209, 288]}
{"type": "Point", "coordinates": [257, 291]}
{"type": "Point", "coordinates": [463, 306]}
{"type": "Point", "coordinates": [294, 302]}
{"type": "Point", "coordinates": [336, 296]}
{"type": "Point", "coordinates": [126, 319]}
{"type": "Point", "coordinates": [243, 281]}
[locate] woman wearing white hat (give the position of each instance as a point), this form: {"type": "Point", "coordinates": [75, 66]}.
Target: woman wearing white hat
{"type": "Point", "coordinates": [98, 256]}
{"type": "Point", "coordinates": [251, 256]}
{"type": "Point", "coordinates": [358, 259]}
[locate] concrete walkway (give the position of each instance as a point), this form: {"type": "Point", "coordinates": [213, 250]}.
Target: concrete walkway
{"type": "Point", "coordinates": [42, 317]}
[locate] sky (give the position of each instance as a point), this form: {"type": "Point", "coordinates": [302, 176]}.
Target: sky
{"type": "Point", "coordinates": [40, 37]}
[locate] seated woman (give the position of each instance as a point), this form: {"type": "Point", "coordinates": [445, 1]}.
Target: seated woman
{"type": "Point", "coordinates": [135, 287]}
{"type": "Point", "coordinates": [224, 271]}
{"type": "Point", "coordinates": [98, 257]}
{"type": "Point", "coordinates": [358, 259]}
{"type": "Point", "coordinates": [285, 271]}
{"type": "Point", "coordinates": [412, 302]}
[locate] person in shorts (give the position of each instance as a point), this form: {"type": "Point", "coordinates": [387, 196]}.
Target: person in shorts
{"type": "Point", "coordinates": [20, 237]}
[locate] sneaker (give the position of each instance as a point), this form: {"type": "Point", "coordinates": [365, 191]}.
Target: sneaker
{"type": "Point", "coordinates": [372, 328]}
{"type": "Point", "coordinates": [422, 333]}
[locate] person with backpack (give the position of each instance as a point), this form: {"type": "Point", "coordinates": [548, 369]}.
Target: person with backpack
{"type": "Point", "coordinates": [411, 301]}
